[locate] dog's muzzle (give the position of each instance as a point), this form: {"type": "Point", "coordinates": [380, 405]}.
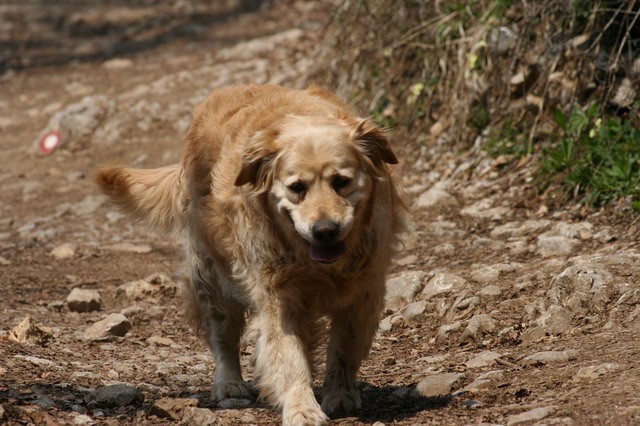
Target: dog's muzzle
{"type": "Point", "coordinates": [326, 248]}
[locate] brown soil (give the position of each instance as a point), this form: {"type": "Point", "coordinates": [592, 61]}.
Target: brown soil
{"type": "Point", "coordinates": [41, 207]}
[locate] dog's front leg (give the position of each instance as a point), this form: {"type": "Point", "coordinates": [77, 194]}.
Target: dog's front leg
{"type": "Point", "coordinates": [352, 332]}
{"type": "Point", "coordinates": [283, 366]}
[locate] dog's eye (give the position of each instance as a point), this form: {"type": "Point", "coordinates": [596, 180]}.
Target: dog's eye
{"type": "Point", "coordinates": [298, 188]}
{"type": "Point", "coordinates": [340, 182]}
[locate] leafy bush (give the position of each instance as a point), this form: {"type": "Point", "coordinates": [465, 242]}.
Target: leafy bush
{"type": "Point", "coordinates": [596, 159]}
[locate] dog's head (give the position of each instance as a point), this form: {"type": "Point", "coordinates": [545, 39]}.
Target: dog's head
{"type": "Point", "coordinates": [319, 173]}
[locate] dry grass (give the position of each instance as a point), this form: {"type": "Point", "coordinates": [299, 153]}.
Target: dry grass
{"type": "Point", "coordinates": [473, 65]}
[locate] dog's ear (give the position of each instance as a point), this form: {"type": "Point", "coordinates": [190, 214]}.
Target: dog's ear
{"type": "Point", "coordinates": [257, 159]}
{"type": "Point", "coordinates": [374, 143]}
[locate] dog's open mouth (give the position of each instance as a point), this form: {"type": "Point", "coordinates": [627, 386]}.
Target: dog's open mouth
{"type": "Point", "coordinates": [327, 253]}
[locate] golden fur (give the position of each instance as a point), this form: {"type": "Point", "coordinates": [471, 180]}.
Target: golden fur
{"type": "Point", "coordinates": [289, 212]}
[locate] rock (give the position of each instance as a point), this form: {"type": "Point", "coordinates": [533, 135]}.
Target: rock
{"type": "Point", "coordinates": [490, 292]}
{"type": "Point", "coordinates": [446, 329]}
{"type": "Point", "coordinates": [117, 64]}
{"type": "Point", "coordinates": [82, 420]}
{"type": "Point", "coordinates": [414, 310]}
{"type": "Point", "coordinates": [407, 260]}
{"type": "Point", "coordinates": [40, 362]}
{"type": "Point", "coordinates": [153, 285]}
{"type": "Point", "coordinates": [483, 359]}
{"type": "Point", "coordinates": [485, 275]}
{"type": "Point", "coordinates": [77, 122]}
{"type": "Point", "coordinates": [172, 408]}
{"type": "Point", "coordinates": [234, 403]}
{"type": "Point", "coordinates": [595, 371]}
{"type": "Point", "coordinates": [442, 283]}
{"type": "Point", "coordinates": [29, 331]}
{"type": "Point", "coordinates": [519, 229]}
{"type": "Point", "coordinates": [478, 326]}
{"type": "Point", "coordinates": [580, 230]}
{"type": "Point", "coordinates": [194, 416]}
{"type": "Point", "coordinates": [64, 251]}
{"type": "Point", "coordinates": [533, 334]}
{"type": "Point", "coordinates": [531, 415]}
{"type": "Point", "coordinates": [249, 50]}
{"type": "Point", "coordinates": [625, 94]}
{"type": "Point", "coordinates": [445, 229]}
{"type": "Point", "coordinates": [161, 341]}
{"type": "Point", "coordinates": [552, 246]}
{"type": "Point", "coordinates": [436, 196]}
{"type": "Point", "coordinates": [402, 289]}
{"type": "Point", "coordinates": [581, 288]}
{"type": "Point", "coordinates": [131, 310]}
{"type": "Point", "coordinates": [88, 205]}
{"type": "Point", "coordinates": [502, 39]}
{"type": "Point", "coordinates": [84, 300]}
{"type": "Point", "coordinates": [119, 395]}
{"type": "Point", "coordinates": [546, 357]}
{"type": "Point", "coordinates": [483, 209]}
{"type": "Point", "coordinates": [437, 384]}
{"type": "Point", "coordinates": [387, 322]}
{"type": "Point", "coordinates": [555, 320]}
{"type": "Point", "coordinates": [130, 248]}
{"type": "Point", "coordinates": [491, 375]}
{"type": "Point", "coordinates": [478, 385]}
{"type": "Point", "coordinates": [168, 368]}
{"type": "Point", "coordinates": [444, 249]}
{"type": "Point", "coordinates": [115, 325]}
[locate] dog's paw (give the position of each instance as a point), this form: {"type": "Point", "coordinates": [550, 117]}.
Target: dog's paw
{"type": "Point", "coordinates": [304, 416]}
{"type": "Point", "coordinates": [340, 401]}
{"type": "Point", "coordinates": [231, 390]}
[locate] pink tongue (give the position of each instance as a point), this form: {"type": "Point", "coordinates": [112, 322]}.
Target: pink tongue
{"type": "Point", "coordinates": [327, 254]}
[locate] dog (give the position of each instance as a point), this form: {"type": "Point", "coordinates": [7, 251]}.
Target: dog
{"type": "Point", "coordinates": [289, 210]}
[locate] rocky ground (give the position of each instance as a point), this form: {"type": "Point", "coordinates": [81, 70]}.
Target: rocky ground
{"type": "Point", "coordinates": [498, 310]}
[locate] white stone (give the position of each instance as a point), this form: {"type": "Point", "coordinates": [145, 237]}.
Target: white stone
{"type": "Point", "coordinates": [442, 283]}
{"type": "Point", "coordinates": [555, 320]}
{"type": "Point", "coordinates": [490, 292]}
{"type": "Point", "coordinates": [436, 196]}
{"type": "Point", "coordinates": [84, 300]}
{"type": "Point", "coordinates": [546, 357]}
{"type": "Point", "coordinates": [478, 326]}
{"type": "Point", "coordinates": [114, 325]}
{"type": "Point", "coordinates": [531, 415]}
{"type": "Point", "coordinates": [595, 371]}
{"type": "Point", "coordinates": [128, 247]}
{"type": "Point", "coordinates": [553, 246]}
{"type": "Point", "coordinates": [401, 290]}
{"type": "Point", "coordinates": [437, 384]}
{"type": "Point", "coordinates": [414, 310]}
{"type": "Point", "coordinates": [519, 229]}
{"type": "Point", "coordinates": [483, 359]}
{"type": "Point", "coordinates": [446, 329]}
{"type": "Point", "coordinates": [117, 64]}
{"type": "Point", "coordinates": [485, 275]}
{"type": "Point", "coordinates": [64, 251]}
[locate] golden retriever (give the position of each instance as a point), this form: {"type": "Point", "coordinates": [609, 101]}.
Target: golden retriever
{"type": "Point", "coordinates": [289, 211]}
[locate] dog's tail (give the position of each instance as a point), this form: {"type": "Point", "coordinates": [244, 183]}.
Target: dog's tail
{"type": "Point", "coordinates": [154, 195]}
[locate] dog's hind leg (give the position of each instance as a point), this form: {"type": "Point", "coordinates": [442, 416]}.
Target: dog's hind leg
{"type": "Point", "coordinates": [352, 332]}
{"type": "Point", "coordinates": [223, 331]}
{"type": "Point", "coordinates": [221, 321]}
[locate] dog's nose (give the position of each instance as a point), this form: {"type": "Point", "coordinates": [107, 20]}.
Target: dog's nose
{"type": "Point", "coordinates": [325, 231]}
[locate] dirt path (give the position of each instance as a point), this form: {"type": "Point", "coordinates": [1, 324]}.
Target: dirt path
{"type": "Point", "coordinates": [497, 312]}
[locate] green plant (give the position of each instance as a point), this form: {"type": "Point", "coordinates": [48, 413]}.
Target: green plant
{"type": "Point", "coordinates": [595, 159]}
{"type": "Point", "coordinates": [509, 139]}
